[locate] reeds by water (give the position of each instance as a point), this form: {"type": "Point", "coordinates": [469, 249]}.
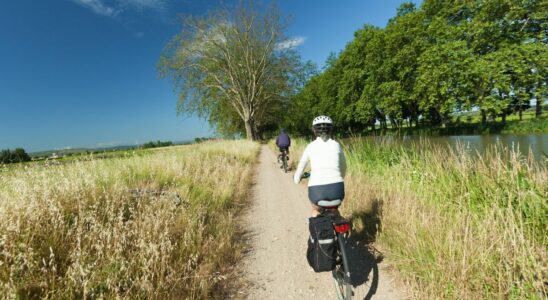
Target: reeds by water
{"type": "Point", "coordinates": [456, 224]}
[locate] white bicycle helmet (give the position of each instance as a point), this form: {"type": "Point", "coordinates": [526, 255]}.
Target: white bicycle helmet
{"type": "Point", "coordinates": [322, 120]}
{"type": "Point", "coordinates": [322, 127]}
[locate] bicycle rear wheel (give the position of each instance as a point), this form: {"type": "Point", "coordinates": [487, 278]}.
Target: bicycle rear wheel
{"type": "Point", "coordinates": [341, 274]}
{"type": "Point", "coordinates": [284, 159]}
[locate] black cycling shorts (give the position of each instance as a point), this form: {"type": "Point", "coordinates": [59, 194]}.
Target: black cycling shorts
{"type": "Point", "coordinates": [326, 194]}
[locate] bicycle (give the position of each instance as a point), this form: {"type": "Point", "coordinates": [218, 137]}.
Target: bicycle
{"type": "Point", "coordinates": [282, 160]}
{"type": "Point", "coordinates": [341, 273]}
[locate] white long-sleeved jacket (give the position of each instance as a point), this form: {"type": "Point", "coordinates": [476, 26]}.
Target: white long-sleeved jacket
{"type": "Point", "coordinates": [327, 163]}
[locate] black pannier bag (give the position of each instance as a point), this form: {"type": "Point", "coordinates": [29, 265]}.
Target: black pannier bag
{"type": "Point", "coordinates": [321, 253]}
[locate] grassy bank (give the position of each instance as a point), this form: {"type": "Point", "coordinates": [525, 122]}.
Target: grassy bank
{"type": "Point", "coordinates": [455, 226]}
{"type": "Point", "coordinates": [527, 126]}
{"type": "Point", "coordinates": [159, 225]}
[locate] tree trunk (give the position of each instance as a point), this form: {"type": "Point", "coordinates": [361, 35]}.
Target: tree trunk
{"type": "Point", "coordinates": [520, 110]}
{"type": "Point", "coordinates": [483, 117]}
{"type": "Point", "coordinates": [538, 109]}
{"type": "Point", "coordinates": [393, 122]}
{"type": "Point", "coordinates": [503, 117]}
{"type": "Point", "coordinates": [250, 135]}
{"type": "Point", "coordinates": [443, 121]}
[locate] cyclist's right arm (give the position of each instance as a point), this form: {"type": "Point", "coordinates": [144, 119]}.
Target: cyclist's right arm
{"type": "Point", "coordinates": [302, 165]}
{"type": "Point", "coordinates": [342, 161]}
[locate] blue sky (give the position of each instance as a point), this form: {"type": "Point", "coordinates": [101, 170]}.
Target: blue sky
{"type": "Point", "coordinates": [82, 73]}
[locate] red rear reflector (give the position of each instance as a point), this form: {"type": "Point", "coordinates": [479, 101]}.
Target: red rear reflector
{"type": "Point", "coordinates": [342, 228]}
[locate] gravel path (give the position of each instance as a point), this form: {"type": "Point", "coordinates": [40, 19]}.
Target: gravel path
{"type": "Point", "coordinates": [276, 263]}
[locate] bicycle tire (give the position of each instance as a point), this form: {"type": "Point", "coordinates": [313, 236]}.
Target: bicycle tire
{"type": "Point", "coordinates": [284, 159]}
{"type": "Point", "coordinates": [341, 273]}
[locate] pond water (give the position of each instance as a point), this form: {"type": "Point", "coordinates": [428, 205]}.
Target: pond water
{"type": "Point", "coordinates": [537, 144]}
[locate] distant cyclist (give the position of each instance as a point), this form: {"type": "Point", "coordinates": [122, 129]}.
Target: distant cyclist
{"type": "Point", "coordinates": [283, 142]}
{"type": "Point", "coordinates": [328, 167]}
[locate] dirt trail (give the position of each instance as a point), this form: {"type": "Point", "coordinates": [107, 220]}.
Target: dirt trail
{"type": "Point", "coordinates": [276, 263]}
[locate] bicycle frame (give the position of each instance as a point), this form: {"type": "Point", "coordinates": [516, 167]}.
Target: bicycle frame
{"type": "Point", "coordinates": [341, 227]}
{"type": "Point", "coordinates": [341, 238]}
{"type": "Point", "coordinates": [283, 157]}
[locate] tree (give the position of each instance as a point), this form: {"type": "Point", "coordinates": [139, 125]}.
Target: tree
{"type": "Point", "coordinates": [405, 39]}
{"type": "Point", "coordinates": [303, 107]}
{"type": "Point", "coordinates": [405, 8]}
{"type": "Point", "coordinates": [367, 106]}
{"type": "Point", "coordinates": [5, 156]}
{"type": "Point", "coordinates": [235, 68]}
{"type": "Point", "coordinates": [18, 155]}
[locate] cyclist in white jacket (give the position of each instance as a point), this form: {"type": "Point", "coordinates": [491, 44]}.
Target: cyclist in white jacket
{"type": "Point", "coordinates": [328, 167]}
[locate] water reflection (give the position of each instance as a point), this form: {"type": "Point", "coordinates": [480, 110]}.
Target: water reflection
{"type": "Point", "coordinates": [536, 143]}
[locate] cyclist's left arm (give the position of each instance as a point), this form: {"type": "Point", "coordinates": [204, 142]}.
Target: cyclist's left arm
{"type": "Point", "coordinates": [301, 166]}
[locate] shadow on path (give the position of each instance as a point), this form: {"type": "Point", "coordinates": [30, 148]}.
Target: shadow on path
{"type": "Point", "coordinates": [363, 256]}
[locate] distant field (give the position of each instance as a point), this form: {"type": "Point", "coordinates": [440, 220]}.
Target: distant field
{"type": "Point", "coordinates": [154, 224]}
{"type": "Point", "coordinates": [79, 151]}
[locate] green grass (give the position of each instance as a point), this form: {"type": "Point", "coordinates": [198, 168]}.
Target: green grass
{"type": "Point", "coordinates": [530, 126]}
{"type": "Point", "coordinates": [475, 117]}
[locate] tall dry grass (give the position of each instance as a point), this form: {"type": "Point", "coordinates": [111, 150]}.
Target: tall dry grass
{"type": "Point", "coordinates": [456, 225]}
{"type": "Point", "coordinates": [160, 225]}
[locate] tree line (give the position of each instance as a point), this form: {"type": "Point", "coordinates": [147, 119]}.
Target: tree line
{"type": "Point", "coordinates": [156, 144]}
{"type": "Point", "coordinates": [8, 156]}
{"type": "Point", "coordinates": [238, 69]}
{"type": "Point", "coordinates": [430, 62]}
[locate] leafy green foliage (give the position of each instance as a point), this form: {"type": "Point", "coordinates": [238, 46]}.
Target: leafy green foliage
{"type": "Point", "coordinates": [234, 67]}
{"type": "Point", "coordinates": [432, 63]}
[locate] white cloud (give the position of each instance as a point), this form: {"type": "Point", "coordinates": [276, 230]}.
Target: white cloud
{"type": "Point", "coordinates": [109, 144]}
{"type": "Point", "coordinates": [140, 4]}
{"type": "Point", "coordinates": [64, 148]}
{"type": "Point", "coordinates": [98, 7]}
{"type": "Point", "coordinates": [291, 43]}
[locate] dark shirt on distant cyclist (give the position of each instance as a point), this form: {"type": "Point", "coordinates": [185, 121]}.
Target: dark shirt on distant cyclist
{"type": "Point", "coordinates": [283, 140]}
